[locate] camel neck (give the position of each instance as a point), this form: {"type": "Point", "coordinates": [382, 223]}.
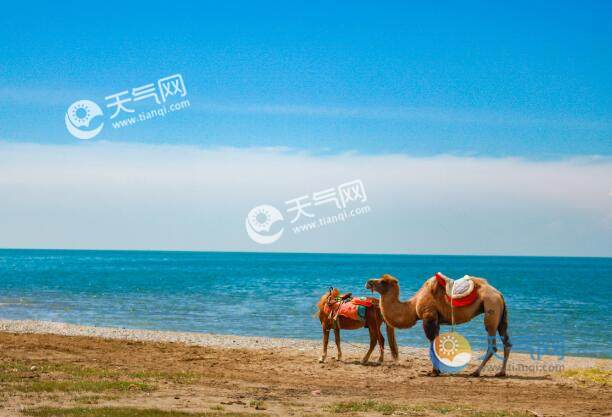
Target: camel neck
{"type": "Point", "coordinates": [399, 314]}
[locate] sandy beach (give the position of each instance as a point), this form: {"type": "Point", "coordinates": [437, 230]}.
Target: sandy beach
{"type": "Point", "coordinates": [57, 369]}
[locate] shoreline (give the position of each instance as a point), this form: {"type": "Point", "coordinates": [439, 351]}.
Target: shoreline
{"type": "Point", "coordinates": [213, 340]}
{"type": "Point", "coordinates": [51, 369]}
{"type": "Point", "coordinates": [228, 341]}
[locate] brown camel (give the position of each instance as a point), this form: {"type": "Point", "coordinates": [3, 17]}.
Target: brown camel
{"type": "Point", "coordinates": [431, 305]}
{"type": "Point", "coordinates": [373, 321]}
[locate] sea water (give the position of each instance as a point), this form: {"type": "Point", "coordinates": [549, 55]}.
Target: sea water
{"type": "Point", "coordinates": [564, 302]}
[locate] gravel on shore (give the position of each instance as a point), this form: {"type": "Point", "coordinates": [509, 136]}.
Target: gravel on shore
{"type": "Point", "coordinates": [195, 339]}
{"type": "Point", "coordinates": [243, 342]}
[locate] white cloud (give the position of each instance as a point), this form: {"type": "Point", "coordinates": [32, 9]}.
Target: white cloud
{"type": "Point", "coordinates": [108, 195]}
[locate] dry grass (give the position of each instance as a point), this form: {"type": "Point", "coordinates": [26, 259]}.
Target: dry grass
{"type": "Point", "coordinates": [388, 408]}
{"type": "Point", "coordinates": [125, 412]}
{"type": "Point", "coordinates": [596, 375]}
{"type": "Point", "coordinates": [42, 377]}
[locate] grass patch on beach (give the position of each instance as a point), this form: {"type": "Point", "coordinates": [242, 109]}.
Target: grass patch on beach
{"type": "Point", "coordinates": [11, 371]}
{"type": "Point", "coordinates": [387, 408]}
{"type": "Point", "coordinates": [497, 414]}
{"type": "Point", "coordinates": [82, 386]}
{"type": "Point", "coordinates": [45, 377]}
{"type": "Point", "coordinates": [125, 412]}
{"type": "Point", "coordinates": [599, 376]}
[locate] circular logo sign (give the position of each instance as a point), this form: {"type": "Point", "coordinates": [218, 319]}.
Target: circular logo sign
{"type": "Point", "coordinates": [450, 352]}
{"type": "Point", "coordinates": [79, 118]}
{"type": "Point", "coordinates": [259, 221]}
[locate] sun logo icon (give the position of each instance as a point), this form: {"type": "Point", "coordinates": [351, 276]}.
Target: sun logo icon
{"type": "Point", "coordinates": [448, 344]}
{"type": "Point", "coordinates": [450, 352]}
{"type": "Point", "coordinates": [259, 221]}
{"type": "Point", "coordinates": [261, 217]}
{"type": "Point", "coordinates": [82, 119]}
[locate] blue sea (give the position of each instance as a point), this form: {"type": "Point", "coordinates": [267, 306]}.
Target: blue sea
{"type": "Point", "coordinates": [558, 302]}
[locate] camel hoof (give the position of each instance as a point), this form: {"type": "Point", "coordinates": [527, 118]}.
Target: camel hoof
{"type": "Point", "coordinates": [501, 374]}
{"type": "Point", "coordinates": [321, 360]}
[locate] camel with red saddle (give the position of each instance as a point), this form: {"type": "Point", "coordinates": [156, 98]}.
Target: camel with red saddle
{"type": "Point", "coordinates": [470, 297]}
{"type": "Point", "coordinates": [337, 312]}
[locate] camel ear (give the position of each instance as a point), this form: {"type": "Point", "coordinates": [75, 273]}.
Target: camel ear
{"type": "Point", "coordinates": [390, 278]}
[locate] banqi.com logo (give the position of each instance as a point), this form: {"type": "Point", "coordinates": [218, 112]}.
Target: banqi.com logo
{"type": "Point", "coordinates": [84, 118]}
{"type": "Point", "coordinates": [450, 352]}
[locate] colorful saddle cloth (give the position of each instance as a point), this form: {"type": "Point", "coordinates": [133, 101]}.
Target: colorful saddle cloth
{"type": "Point", "coordinates": [461, 292]}
{"type": "Point", "coordinates": [353, 308]}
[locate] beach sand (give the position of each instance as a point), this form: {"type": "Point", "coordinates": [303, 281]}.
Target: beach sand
{"type": "Point", "coordinates": [56, 365]}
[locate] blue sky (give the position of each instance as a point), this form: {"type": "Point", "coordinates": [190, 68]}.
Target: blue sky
{"type": "Point", "coordinates": [469, 78]}
{"type": "Point", "coordinates": [476, 128]}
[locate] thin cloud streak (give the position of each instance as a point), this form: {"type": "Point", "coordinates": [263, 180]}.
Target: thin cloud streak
{"type": "Point", "coordinates": [407, 114]}
{"type": "Point", "coordinates": [476, 117]}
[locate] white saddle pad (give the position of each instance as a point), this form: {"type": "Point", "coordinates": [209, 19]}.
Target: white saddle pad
{"type": "Point", "coordinates": [460, 288]}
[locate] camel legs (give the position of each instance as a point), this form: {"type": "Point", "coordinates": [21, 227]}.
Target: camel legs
{"type": "Point", "coordinates": [503, 333]}
{"type": "Point", "coordinates": [337, 339]}
{"type": "Point", "coordinates": [373, 338]}
{"type": "Point", "coordinates": [325, 342]}
{"type": "Point", "coordinates": [381, 345]}
{"type": "Point", "coordinates": [491, 322]}
{"type": "Point", "coordinates": [507, 347]}
{"type": "Point", "coordinates": [496, 320]}
{"type": "Point", "coordinates": [432, 329]}
{"type": "Point", "coordinates": [491, 349]}
{"type": "Point", "coordinates": [392, 343]}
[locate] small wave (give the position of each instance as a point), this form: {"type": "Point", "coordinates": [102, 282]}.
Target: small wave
{"type": "Point", "coordinates": [20, 302]}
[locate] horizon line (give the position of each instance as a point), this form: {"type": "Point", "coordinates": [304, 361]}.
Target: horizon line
{"type": "Point", "coordinates": [304, 253]}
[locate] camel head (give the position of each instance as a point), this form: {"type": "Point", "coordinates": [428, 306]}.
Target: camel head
{"type": "Point", "coordinates": [383, 285]}
{"type": "Point", "coordinates": [331, 294]}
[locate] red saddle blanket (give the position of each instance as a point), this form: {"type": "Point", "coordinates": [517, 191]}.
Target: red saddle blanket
{"type": "Point", "coordinates": [462, 299]}
{"type": "Point", "coordinates": [354, 309]}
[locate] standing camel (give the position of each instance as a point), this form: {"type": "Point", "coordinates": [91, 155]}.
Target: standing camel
{"type": "Point", "coordinates": [373, 321]}
{"type": "Point", "coordinates": [431, 305]}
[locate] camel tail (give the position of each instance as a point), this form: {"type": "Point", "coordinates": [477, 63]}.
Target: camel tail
{"type": "Point", "coordinates": [503, 321]}
{"type": "Point", "coordinates": [392, 341]}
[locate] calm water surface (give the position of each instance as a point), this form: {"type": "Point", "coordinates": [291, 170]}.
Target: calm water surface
{"type": "Point", "coordinates": [560, 299]}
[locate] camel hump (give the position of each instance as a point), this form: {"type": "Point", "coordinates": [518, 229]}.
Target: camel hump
{"type": "Point", "coordinates": [456, 289]}
{"type": "Point", "coordinates": [462, 287]}
{"type": "Point", "coordinates": [443, 280]}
